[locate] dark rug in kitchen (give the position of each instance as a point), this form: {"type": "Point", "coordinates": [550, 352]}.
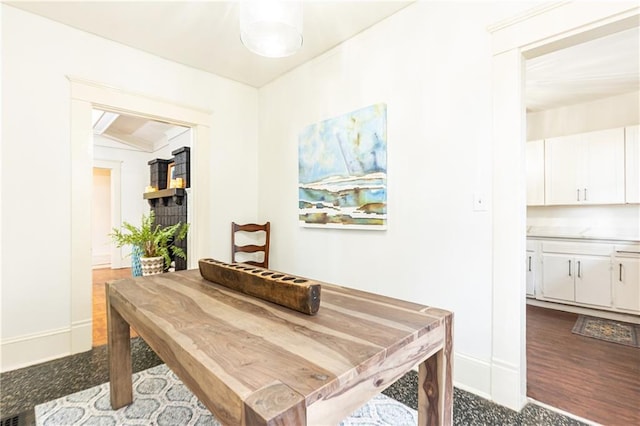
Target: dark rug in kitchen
{"type": "Point", "coordinates": [623, 333]}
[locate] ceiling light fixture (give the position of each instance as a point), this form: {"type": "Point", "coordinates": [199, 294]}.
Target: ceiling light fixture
{"type": "Point", "coordinates": [271, 28]}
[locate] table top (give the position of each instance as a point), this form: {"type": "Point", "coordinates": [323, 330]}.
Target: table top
{"type": "Point", "coordinates": [243, 346]}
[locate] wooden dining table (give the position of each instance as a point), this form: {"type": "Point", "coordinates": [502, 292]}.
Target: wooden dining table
{"type": "Point", "coordinates": [253, 362]}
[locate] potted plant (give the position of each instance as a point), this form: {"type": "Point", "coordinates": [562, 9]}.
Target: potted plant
{"type": "Point", "coordinates": [154, 242]}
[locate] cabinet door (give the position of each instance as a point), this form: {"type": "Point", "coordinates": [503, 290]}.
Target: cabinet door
{"type": "Point", "coordinates": [593, 280]}
{"type": "Point", "coordinates": [535, 173]}
{"type": "Point", "coordinates": [557, 276]}
{"type": "Point", "coordinates": [603, 178]}
{"type": "Point", "coordinates": [632, 164]}
{"type": "Point", "coordinates": [563, 167]}
{"type": "Point", "coordinates": [625, 279]}
{"type": "Point", "coordinates": [530, 267]}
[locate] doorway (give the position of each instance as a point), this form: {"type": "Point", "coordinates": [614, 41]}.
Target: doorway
{"type": "Point", "coordinates": [568, 92]}
{"type": "Point", "coordinates": [536, 32]}
{"type": "Point", "coordinates": [123, 145]}
{"type": "Point", "coordinates": [84, 97]}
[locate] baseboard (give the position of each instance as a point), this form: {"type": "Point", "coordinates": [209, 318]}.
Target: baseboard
{"type": "Point", "coordinates": [472, 375]}
{"type": "Point", "coordinates": [33, 349]}
{"type": "Point", "coordinates": [506, 385]}
{"type": "Point", "coordinates": [100, 260]}
{"type": "Point", "coordinates": [81, 336]}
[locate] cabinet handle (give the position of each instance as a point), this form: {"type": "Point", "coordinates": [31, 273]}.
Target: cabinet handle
{"type": "Point", "coordinates": [577, 195]}
{"type": "Point", "coordinates": [569, 268]}
{"type": "Point", "coordinates": [529, 263]}
{"type": "Point", "coordinates": [585, 194]}
{"type": "Point", "coordinates": [579, 269]}
{"type": "Point", "coordinates": [620, 272]}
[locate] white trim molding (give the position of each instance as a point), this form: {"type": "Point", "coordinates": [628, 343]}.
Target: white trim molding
{"type": "Point", "coordinates": [472, 375]}
{"type": "Point", "coordinates": [116, 260]}
{"type": "Point", "coordinates": [35, 348]}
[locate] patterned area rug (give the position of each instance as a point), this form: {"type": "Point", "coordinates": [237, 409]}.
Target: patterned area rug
{"type": "Point", "coordinates": [160, 398]}
{"type": "Point", "coordinates": [612, 331]}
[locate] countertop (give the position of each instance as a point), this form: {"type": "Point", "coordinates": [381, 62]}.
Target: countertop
{"type": "Point", "coordinates": [583, 234]}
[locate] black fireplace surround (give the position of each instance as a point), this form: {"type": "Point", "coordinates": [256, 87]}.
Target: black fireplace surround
{"type": "Point", "coordinates": [170, 205]}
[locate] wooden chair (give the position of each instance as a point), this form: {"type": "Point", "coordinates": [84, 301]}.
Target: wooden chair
{"type": "Point", "coordinates": [251, 248]}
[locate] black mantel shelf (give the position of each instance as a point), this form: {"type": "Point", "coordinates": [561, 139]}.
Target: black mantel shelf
{"type": "Point", "coordinates": [165, 194]}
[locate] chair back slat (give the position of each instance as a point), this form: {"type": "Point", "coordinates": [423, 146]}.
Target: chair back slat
{"type": "Point", "coordinates": [251, 248]}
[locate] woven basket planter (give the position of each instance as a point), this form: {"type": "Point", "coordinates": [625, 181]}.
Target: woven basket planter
{"type": "Point", "coordinates": [152, 265]}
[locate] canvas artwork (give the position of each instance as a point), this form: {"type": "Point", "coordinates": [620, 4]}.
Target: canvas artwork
{"type": "Point", "coordinates": [342, 171]}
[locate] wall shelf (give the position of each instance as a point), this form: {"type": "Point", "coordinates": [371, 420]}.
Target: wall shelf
{"type": "Point", "coordinates": [164, 195]}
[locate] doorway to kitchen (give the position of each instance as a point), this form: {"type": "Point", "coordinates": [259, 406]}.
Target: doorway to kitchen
{"type": "Point", "coordinates": [580, 100]}
{"type": "Point", "coordinates": [541, 30]}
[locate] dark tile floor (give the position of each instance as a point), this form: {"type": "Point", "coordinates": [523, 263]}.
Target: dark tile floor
{"type": "Point", "coordinates": [21, 390]}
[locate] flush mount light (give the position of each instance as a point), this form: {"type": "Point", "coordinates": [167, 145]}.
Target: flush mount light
{"type": "Point", "coordinates": [271, 28]}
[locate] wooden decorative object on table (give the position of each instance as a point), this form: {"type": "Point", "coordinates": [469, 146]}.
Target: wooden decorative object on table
{"type": "Point", "coordinates": [298, 293]}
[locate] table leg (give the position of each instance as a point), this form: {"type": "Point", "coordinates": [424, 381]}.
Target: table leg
{"type": "Point", "coordinates": [118, 337]}
{"type": "Point", "coordinates": [435, 384]}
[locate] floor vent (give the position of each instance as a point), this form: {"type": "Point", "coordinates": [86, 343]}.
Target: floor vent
{"type": "Point", "coordinates": [11, 421]}
{"type": "Point", "coordinates": [23, 419]}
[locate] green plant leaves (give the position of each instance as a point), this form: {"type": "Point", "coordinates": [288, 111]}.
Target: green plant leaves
{"type": "Point", "coordinates": [152, 240]}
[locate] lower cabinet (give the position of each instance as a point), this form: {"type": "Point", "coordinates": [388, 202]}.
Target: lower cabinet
{"type": "Point", "coordinates": [625, 281]}
{"type": "Point", "coordinates": [557, 277]}
{"type": "Point", "coordinates": [582, 279]}
{"type": "Point", "coordinates": [593, 282]}
{"type": "Point", "coordinates": [531, 267]}
{"type": "Point", "coordinates": [598, 275]}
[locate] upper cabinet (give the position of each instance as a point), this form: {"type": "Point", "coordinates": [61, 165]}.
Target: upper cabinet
{"type": "Point", "coordinates": [587, 168]}
{"type": "Point", "coordinates": [632, 164]}
{"type": "Point", "coordinates": [535, 173]}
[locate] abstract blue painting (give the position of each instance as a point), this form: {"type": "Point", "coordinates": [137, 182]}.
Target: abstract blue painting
{"type": "Point", "coordinates": [342, 171]}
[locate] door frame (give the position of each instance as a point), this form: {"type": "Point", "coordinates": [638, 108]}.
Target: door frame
{"type": "Point", "coordinates": [114, 205]}
{"type": "Point", "coordinates": [541, 30]}
{"type": "Point", "coordinates": [86, 95]}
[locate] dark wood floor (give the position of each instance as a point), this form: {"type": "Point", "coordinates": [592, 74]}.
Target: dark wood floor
{"type": "Point", "coordinates": [593, 379]}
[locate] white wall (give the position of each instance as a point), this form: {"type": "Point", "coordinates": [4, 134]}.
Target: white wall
{"type": "Point", "coordinates": [134, 177]}
{"type": "Point", "coordinates": [37, 56]}
{"type": "Point", "coordinates": [431, 64]}
{"type": "Point", "coordinates": [612, 221]}
{"type": "Point", "coordinates": [101, 217]}
{"type": "Point", "coordinates": [615, 222]}
{"type": "Point", "coordinates": [615, 111]}
{"type": "Point", "coordinates": [183, 139]}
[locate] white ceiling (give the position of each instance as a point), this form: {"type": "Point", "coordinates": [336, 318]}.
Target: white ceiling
{"type": "Point", "coordinates": [138, 133]}
{"type": "Point", "coordinates": [205, 35]}
{"type": "Point", "coordinates": [600, 68]}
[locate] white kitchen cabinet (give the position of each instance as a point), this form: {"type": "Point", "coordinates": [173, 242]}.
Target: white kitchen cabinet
{"type": "Point", "coordinates": [577, 273]}
{"type": "Point", "coordinates": [557, 277]}
{"type": "Point", "coordinates": [632, 164]}
{"type": "Point", "coordinates": [535, 172]}
{"type": "Point", "coordinates": [531, 272]}
{"type": "Point", "coordinates": [625, 279]}
{"type": "Point", "coordinates": [586, 168]}
{"type": "Point", "coordinates": [593, 280]}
